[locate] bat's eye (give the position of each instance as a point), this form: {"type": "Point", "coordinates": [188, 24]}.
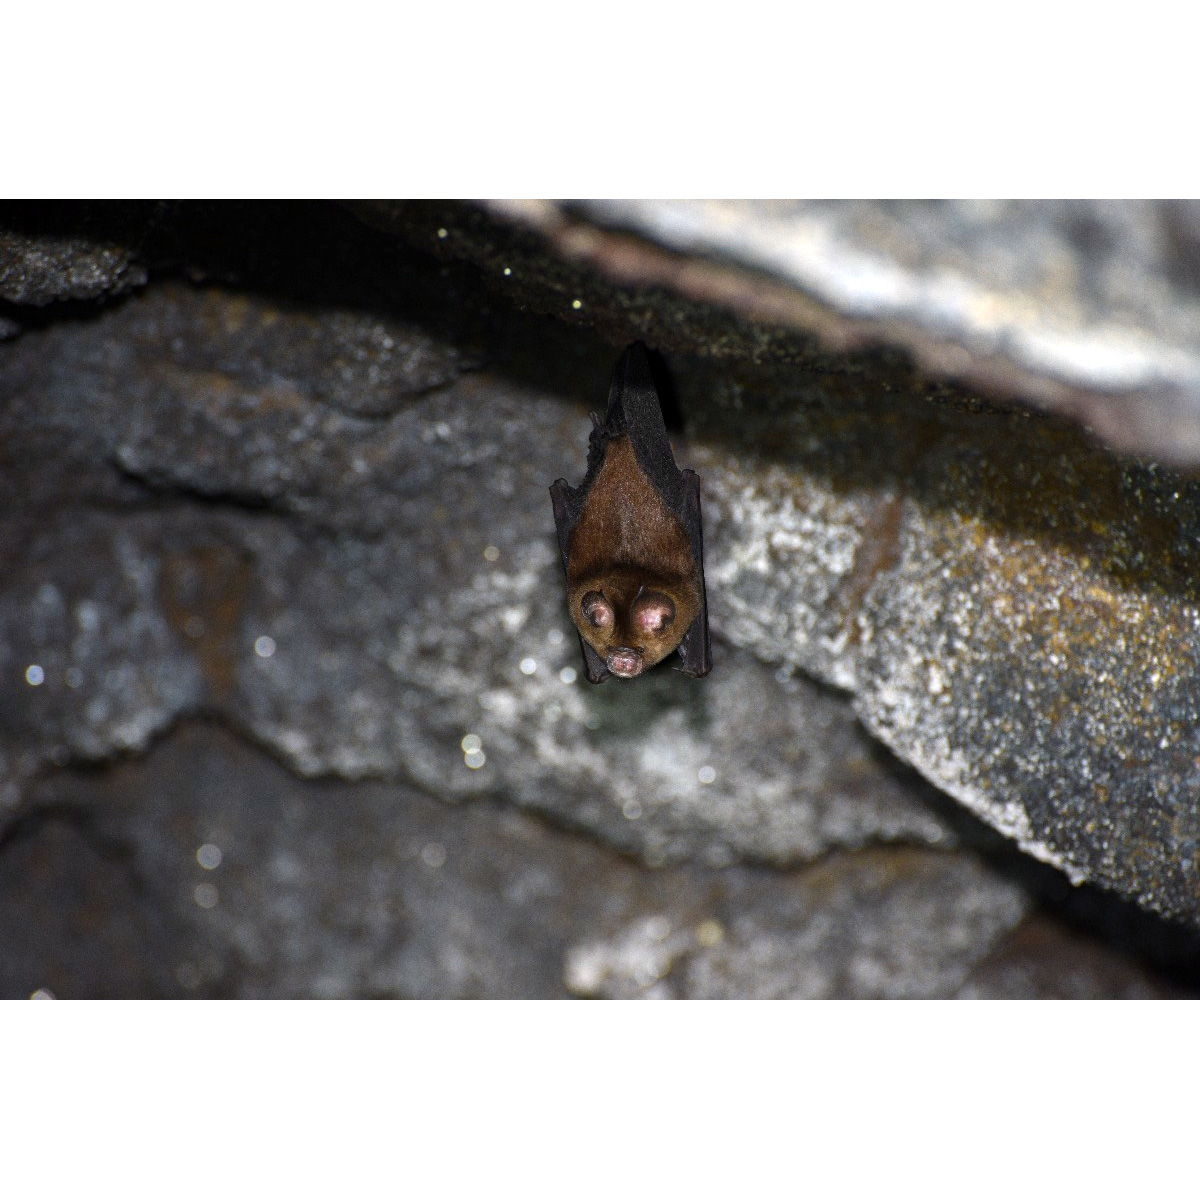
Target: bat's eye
{"type": "Point", "coordinates": [653, 612]}
{"type": "Point", "coordinates": [596, 610]}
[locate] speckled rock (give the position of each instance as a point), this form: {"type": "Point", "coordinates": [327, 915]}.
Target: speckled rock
{"type": "Point", "coordinates": [53, 251]}
{"type": "Point", "coordinates": [1086, 308]}
{"type": "Point", "coordinates": [363, 594]}
{"type": "Point", "coordinates": [895, 925]}
{"type": "Point", "coordinates": [1015, 610]}
{"type": "Point", "coordinates": [309, 503]}
{"type": "Point", "coordinates": [206, 869]}
{"type": "Point", "coordinates": [1051, 680]}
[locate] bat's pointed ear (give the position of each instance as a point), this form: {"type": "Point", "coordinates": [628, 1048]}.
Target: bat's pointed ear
{"type": "Point", "coordinates": [636, 355]}
{"type": "Point", "coordinates": [632, 373]}
{"type": "Point", "coordinates": [634, 366]}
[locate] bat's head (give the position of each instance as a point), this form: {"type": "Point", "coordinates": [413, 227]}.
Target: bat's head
{"type": "Point", "coordinates": [633, 621]}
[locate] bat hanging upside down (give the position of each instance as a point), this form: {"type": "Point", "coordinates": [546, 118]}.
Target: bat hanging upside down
{"type": "Point", "coordinates": [631, 540]}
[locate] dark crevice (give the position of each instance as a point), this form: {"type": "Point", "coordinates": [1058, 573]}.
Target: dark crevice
{"type": "Point", "coordinates": [162, 490]}
{"type": "Point", "coordinates": [1168, 946]}
{"type": "Point", "coordinates": [88, 823]}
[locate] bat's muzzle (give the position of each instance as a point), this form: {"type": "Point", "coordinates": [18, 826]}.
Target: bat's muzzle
{"type": "Point", "coordinates": [625, 662]}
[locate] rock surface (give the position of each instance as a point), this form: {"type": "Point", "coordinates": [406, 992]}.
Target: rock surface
{"type": "Point", "coordinates": [205, 869]}
{"type": "Point", "coordinates": [54, 251]}
{"type": "Point", "coordinates": [1086, 308]}
{"type": "Point", "coordinates": [1015, 611]}
{"type": "Point", "coordinates": [295, 506]}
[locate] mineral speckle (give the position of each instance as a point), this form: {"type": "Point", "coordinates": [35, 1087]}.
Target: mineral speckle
{"type": "Point", "coordinates": [281, 584]}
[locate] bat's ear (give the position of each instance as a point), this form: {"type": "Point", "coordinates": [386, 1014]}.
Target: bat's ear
{"type": "Point", "coordinates": [695, 654]}
{"type": "Point", "coordinates": [594, 667]}
{"type": "Point", "coordinates": [632, 376]}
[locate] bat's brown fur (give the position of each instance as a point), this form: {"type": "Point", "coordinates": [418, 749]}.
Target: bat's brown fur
{"type": "Point", "coordinates": [627, 542]}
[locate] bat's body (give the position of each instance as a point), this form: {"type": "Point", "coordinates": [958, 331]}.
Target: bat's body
{"type": "Point", "coordinates": [631, 539]}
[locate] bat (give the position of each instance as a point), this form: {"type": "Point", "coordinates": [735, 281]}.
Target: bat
{"type": "Point", "coordinates": [631, 540]}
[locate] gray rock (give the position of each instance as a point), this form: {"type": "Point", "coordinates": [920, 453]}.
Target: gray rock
{"type": "Point", "coordinates": [362, 595]}
{"type": "Point", "coordinates": [1015, 610]}
{"type": "Point", "coordinates": [891, 925]}
{"type": "Point", "coordinates": [1086, 308]}
{"type": "Point", "coordinates": [1051, 681]}
{"type": "Point", "coordinates": [262, 885]}
{"type": "Point", "coordinates": [55, 251]}
{"type": "Point", "coordinates": [205, 869]}
{"type": "Point", "coordinates": [323, 523]}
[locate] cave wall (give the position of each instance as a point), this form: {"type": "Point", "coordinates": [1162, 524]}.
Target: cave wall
{"type": "Point", "coordinates": [290, 704]}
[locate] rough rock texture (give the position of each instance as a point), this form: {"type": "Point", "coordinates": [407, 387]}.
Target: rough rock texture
{"type": "Point", "coordinates": [1015, 610]}
{"type": "Point", "coordinates": [404, 574]}
{"type": "Point", "coordinates": [205, 869]}
{"type": "Point", "coordinates": [289, 502]}
{"type": "Point", "coordinates": [1087, 308]}
{"type": "Point", "coordinates": [59, 251]}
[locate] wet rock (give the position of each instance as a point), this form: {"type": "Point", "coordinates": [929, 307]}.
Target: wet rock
{"type": "Point", "coordinates": [1042, 958]}
{"type": "Point", "coordinates": [362, 595]}
{"type": "Point", "coordinates": [54, 251]}
{"type": "Point", "coordinates": [902, 924]}
{"type": "Point", "coordinates": [314, 509]}
{"type": "Point", "coordinates": [1015, 610]}
{"type": "Point", "coordinates": [206, 869]}
{"type": "Point", "coordinates": [1086, 308]}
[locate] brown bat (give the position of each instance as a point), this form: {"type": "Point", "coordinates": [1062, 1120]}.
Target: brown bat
{"type": "Point", "coordinates": [631, 539]}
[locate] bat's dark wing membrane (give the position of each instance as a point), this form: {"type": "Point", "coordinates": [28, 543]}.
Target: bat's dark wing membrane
{"type": "Point", "coordinates": [568, 504]}
{"type": "Point", "coordinates": [594, 666]}
{"type": "Point", "coordinates": [695, 654]}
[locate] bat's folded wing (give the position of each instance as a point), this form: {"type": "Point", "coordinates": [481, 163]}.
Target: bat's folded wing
{"type": "Point", "coordinates": [695, 654]}
{"type": "Point", "coordinates": [568, 503]}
